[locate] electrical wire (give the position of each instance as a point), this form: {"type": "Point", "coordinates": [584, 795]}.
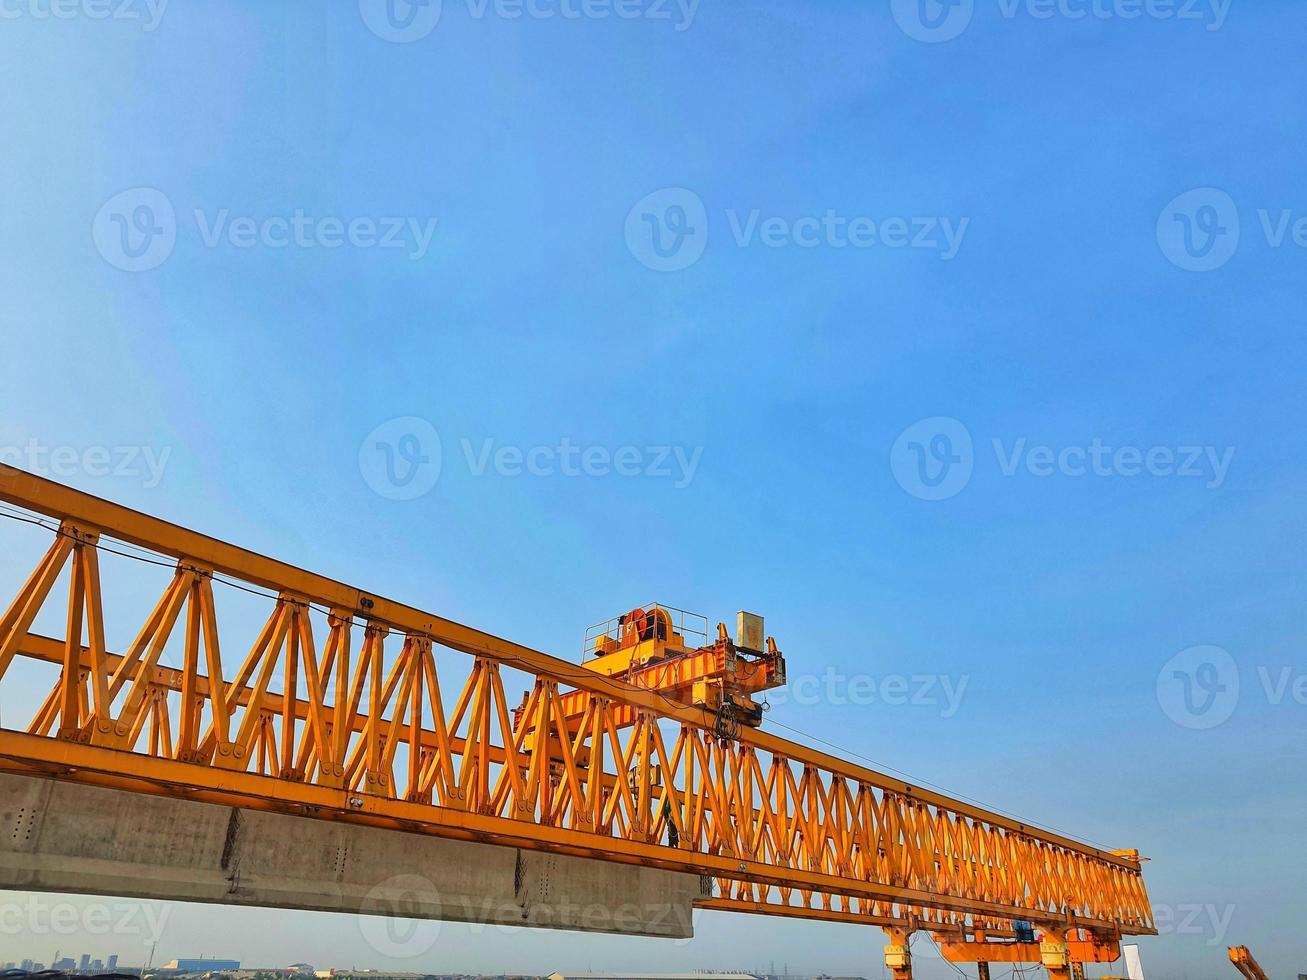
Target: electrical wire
{"type": "Point", "coordinates": [956, 969]}
{"type": "Point", "coordinates": [923, 782]}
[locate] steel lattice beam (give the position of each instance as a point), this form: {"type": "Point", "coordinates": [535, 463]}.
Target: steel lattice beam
{"type": "Point", "coordinates": [372, 737]}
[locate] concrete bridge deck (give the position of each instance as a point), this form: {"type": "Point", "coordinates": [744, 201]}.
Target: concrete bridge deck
{"type": "Point", "coordinates": [68, 837]}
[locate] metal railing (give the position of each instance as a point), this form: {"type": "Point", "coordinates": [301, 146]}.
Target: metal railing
{"type": "Point", "coordinates": [692, 627]}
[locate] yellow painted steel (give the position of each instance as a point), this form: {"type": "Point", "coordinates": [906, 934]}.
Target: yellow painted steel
{"type": "Point", "coordinates": [364, 731]}
{"type": "Point", "coordinates": [1077, 951]}
{"type": "Point", "coordinates": [1246, 963]}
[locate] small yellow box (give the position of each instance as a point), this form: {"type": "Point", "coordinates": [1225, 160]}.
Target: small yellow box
{"type": "Point", "coordinates": [748, 632]}
{"type": "Point", "coordinates": [897, 957]}
{"type": "Point", "coordinates": [1054, 955]}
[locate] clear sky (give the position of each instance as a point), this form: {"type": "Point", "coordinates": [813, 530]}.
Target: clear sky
{"type": "Point", "coordinates": [963, 342]}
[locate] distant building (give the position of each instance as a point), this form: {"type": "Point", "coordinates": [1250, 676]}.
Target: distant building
{"type": "Point", "coordinates": [96, 966]}
{"type": "Point", "coordinates": [64, 963]}
{"type": "Point", "coordinates": [113, 963]}
{"type": "Point", "coordinates": [203, 966]}
{"type": "Point", "coordinates": [85, 962]}
{"type": "Point", "coordinates": [654, 976]}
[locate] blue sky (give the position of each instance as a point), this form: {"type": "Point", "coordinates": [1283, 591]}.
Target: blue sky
{"type": "Point", "coordinates": [794, 267]}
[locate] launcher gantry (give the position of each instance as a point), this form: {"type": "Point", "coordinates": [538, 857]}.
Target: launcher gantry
{"type": "Point", "coordinates": [650, 754]}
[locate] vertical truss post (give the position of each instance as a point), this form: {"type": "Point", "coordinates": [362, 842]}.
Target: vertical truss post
{"type": "Point", "coordinates": [898, 952]}
{"type": "Point", "coordinates": [1054, 952]}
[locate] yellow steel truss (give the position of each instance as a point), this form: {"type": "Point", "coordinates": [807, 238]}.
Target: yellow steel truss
{"type": "Point", "coordinates": [363, 732]}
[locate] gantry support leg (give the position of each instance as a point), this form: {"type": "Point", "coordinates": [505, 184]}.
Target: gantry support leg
{"type": "Point", "coordinates": [898, 953]}
{"type": "Point", "coordinates": [1077, 971]}
{"type": "Point", "coordinates": [1055, 954]}
{"type": "Point", "coordinates": [982, 970]}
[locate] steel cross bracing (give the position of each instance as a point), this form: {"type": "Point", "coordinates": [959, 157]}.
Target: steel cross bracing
{"type": "Point", "coordinates": [399, 718]}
